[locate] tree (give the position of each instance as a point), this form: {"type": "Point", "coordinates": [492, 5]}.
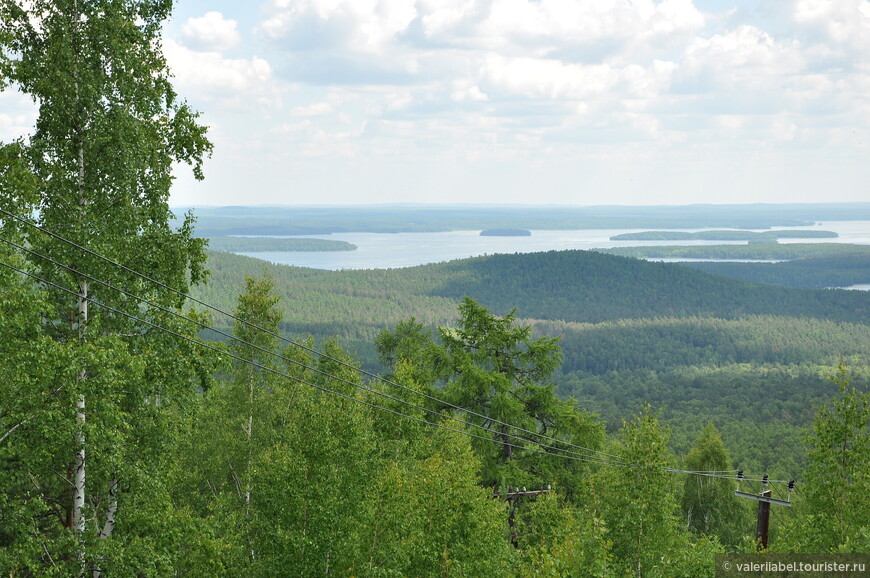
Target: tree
{"type": "Point", "coordinates": [639, 502]}
{"type": "Point", "coordinates": [97, 171]}
{"type": "Point", "coordinates": [709, 503]}
{"type": "Point", "coordinates": [838, 473]}
{"type": "Point", "coordinates": [496, 374]}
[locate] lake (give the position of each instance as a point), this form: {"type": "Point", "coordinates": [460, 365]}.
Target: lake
{"type": "Point", "coordinates": [395, 250]}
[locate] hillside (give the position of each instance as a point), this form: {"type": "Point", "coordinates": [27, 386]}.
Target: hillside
{"type": "Point", "coordinates": [752, 358]}
{"type": "Point", "coordinates": [575, 286]}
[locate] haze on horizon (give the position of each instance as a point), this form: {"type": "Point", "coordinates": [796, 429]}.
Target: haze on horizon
{"type": "Point", "coordinates": [576, 102]}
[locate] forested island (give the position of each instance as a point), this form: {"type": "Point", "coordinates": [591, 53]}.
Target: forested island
{"type": "Point", "coordinates": [505, 233]}
{"type": "Point", "coordinates": [764, 251]}
{"type": "Point", "coordinates": [723, 235]}
{"type": "Point", "coordinates": [167, 410]}
{"type": "Point", "coordinates": [266, 244]}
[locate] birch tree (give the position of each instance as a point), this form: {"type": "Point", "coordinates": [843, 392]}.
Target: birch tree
{"type": "Point", "coordinates": [109, 128]}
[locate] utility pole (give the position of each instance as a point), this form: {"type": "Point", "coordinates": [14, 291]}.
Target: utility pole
{"type": "Point", "coordinates": [762, 522]}
{"type": "Point", "coordinates": [512, 498]}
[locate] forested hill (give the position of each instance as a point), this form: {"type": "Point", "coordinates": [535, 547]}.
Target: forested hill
{"type": "Point", "coordinates": [592, 287]}
{"type": "Point", "coordinates": [577, 286]}
{"type": "Point", "coordinates": [704, 348]}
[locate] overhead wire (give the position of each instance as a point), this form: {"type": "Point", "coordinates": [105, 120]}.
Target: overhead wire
{"type": "Point", "coordinates": [617, 461]}
{"type": "Point", "coordinates": [201, 325]}
{"type": "Point", "coordinates": [302, 346]}
{"type": "Point", "coordinates": [567, 454]}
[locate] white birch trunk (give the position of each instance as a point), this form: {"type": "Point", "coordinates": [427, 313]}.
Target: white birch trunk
{"type": "Point", "coordinates": [247, 474]}
{"type": "Point", "coordinates": [79, 472]}
{"type": "Point", "coordinates": [109, 525]}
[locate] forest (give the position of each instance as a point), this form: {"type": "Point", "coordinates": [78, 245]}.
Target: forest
{"type": "Point", "coordinates": [167, 410]}
{"type": "Point", "coordinates": [261, 244]}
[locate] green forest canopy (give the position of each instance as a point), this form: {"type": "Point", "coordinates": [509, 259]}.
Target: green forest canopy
{"type": "Point", "coordinates": [631, 331]}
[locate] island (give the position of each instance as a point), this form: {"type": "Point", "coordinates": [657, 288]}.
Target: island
{"type": "Point", "coordinates": [505, 233]}
{"type": "Point", "coordinates": [722, 235]}
{"type": "Point", "coordinates": [270, 244]}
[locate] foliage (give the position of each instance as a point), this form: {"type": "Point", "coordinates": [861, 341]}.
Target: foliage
{"type": "Point", "coordinates": [492, 368]}
{"type": "Point", "coordinates": [97, 170]}
{"type": "Point", "coordinates": [755, 376]}
{"type": "Point", "coordinates": [708, 504]}
{"type": "Point", "coordinates": [837, 515]}
{"type": "Point", "coordinates": [639, 501]}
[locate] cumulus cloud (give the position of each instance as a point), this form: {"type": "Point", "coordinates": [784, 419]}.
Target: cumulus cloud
{"type": "Point", "coordinates": [317, 109]}
{"type": "Point", "coordinates": [211, 32]}
{"type": "Point", "coordinates": [17, 115]}
{"type": "Point", "coordinates": [238, 82]}
{"type": "Point", "coordinates": [479, 80]}
{"type": "Point", "coordinates": [359, 25]}
{"type": "Point", "coordinates": [840, 27]}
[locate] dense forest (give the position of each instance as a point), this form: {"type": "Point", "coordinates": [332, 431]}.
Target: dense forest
{"type": "Point", "coordinates": [168, 411]}
{"type": "Point", "coordinates": [621, 347]}
{"type": "Point", "coordinates": [806, 265]}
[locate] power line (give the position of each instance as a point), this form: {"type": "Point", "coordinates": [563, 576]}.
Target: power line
{"type": "Point", "coordinates": [567, 455]}
{"type": "Point", "coordinates": [576, 455]}
{"type": "Point", "coordinates": [201, 325]}
{"type": "Point", "coordinates": [174, 333]}
{"type": "Point", "coordinates": [300, 345]}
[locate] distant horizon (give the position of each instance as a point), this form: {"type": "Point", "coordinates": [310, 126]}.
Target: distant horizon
{"type": "Point", "coordinates": [518, 205]}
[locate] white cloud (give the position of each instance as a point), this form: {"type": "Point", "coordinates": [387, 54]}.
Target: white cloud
{"type": "Point", "coordinates": [18, 115]}
{"type": "Point", "coordinates": [529, 84]}
{"type": "Point", "coordinates": [211, 32]}
{"type": "Point", "coordinates": [317, 109]}
{"type": "Point", "coordinates": [840, 26]}
{"type": "Point", "coordinates": [367, 26]}
{"type": "Point", "coordinates": [466, 90]}
{"type": "Point", "coordinates": [547, 79]}
{"type": "Point", "coordinates": [570, 29]}
{"type": "Point", "coordinates": [238, 82]}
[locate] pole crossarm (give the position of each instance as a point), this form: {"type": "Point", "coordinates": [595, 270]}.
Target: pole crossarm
{"type": "Point", "coordinates": [762, 498]}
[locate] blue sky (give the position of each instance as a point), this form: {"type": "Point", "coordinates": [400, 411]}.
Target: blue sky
{"type": "Point", "coordinates": [579, 102]}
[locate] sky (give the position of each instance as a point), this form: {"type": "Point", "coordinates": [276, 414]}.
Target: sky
{"type": "Point", "coordinates": [575, 102]}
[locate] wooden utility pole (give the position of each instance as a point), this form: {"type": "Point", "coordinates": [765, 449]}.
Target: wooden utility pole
{"type": "Point", "coordinates": [512, 498]}
{"type": "Point", "coordinates": [762, 522]}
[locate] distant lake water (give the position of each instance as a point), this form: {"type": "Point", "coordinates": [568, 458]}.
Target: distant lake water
{"type": "Point", "coordinates": [395, 250]}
